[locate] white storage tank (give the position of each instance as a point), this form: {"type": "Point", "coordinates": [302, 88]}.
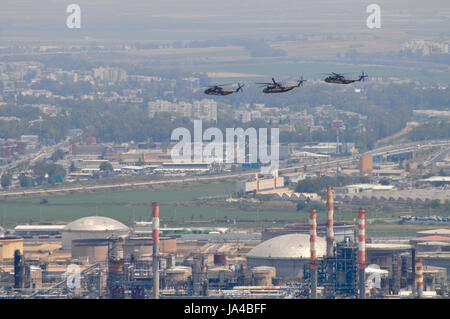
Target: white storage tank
{"type": "Point", "coordinates": [92, 227]}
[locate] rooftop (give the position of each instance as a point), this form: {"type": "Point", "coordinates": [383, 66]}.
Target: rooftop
{"type": "Point", "coordinates": [288, 247]}
{"type": "Point", "coordinates": [96, 223]}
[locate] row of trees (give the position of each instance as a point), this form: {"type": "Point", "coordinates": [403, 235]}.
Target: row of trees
{"type": "Point", "coordinates": [318, 185]}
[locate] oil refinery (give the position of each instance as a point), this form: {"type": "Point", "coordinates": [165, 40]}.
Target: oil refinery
{"type": "Point", "coordinates": [100, 258]}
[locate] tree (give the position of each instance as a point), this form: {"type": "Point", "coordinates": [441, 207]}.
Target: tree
{"type": "Point", "coordinates": [106, 167]}
{"type": "Point", "coordinates": [25, 180]}
{"type": "Point", "coordinates": [6, 180]}
{"type": "Point", "coordinates": [55, 170]}
{"type": "Point", "coordinates": [72, 167]}
{"type": "Point", "coordinates": [57, 155]}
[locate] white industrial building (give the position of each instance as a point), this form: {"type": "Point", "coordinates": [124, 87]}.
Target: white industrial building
{"type": "Point", "coordinates": [259, 184]}
{"type": "Point", "coordinates": [287, 253]}
{"type": "Point", "coordinates": [93, 227]}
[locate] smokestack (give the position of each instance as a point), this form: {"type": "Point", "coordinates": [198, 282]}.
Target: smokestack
{"type": "Point", "coordinates": [312, 242]}
{"type": "Point", "coordinates": [330, 222]}
{"type": "Point", "coordinates": [413, 268]}
{"type": "Point", "coordinates": [155, 235]}
{"type": "Point", "coordinates": [115, 268]}
{"type": "Point", "coordinates": [19, 270]}
{"type": "Point", "coordinates": [419, 277]}
{"type": "Point", "coordinates": [362, 252]}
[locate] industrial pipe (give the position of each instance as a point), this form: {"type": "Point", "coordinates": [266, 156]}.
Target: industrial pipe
{"type": "Point", "coordinates": [362, 252]}
{"type": "Point", "coordinates": [330, 222]}
{"type": "Point", "coordinates": [419, 277]}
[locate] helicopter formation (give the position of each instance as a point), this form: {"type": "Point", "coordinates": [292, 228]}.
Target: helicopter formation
{"type": "Point", "coordinates": [276, 87]}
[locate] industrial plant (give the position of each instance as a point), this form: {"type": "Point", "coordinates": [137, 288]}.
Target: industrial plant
{"type": "Point", "coordinates": [100, 258]}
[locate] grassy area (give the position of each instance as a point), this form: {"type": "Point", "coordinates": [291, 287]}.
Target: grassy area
{"type": "Point", "coordinates": [179, 208]}
{"type": "Point", "coordinates": [127, 206]}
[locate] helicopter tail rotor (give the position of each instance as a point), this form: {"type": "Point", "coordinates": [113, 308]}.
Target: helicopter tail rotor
{"type": "Point", "coordinates": [300, 82]}
{"type": "Point", "coordinates": [362, 76]}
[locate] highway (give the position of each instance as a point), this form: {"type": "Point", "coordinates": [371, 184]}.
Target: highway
{"type": "Point", "coordinates": [311, 167]}
{"type": "Point", "coordinates": [408, 147]}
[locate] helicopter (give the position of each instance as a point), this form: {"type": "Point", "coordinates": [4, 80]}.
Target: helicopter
{"type": "Point", "coordinates": [340, 79]}
{"type": "Point", "coordinates": [275, 87]}
{"type": "Point", "coordinates": [219, 90]}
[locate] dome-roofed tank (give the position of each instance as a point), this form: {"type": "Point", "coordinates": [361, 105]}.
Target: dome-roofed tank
{"type": "Point", "coordinates": [95, 223]}
{"type": "Point", "coordinates": [92, 227]}
{"type": "Point", "coordinates": [288, 246]}
{"type": "Point", "coordinates": [287, 253]}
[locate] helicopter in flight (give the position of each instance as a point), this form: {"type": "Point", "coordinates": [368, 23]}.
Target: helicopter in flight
{"type": "Point", "coordinates": [275, 87]}
{"type": "Point", "coordinates": [219, 90]}
{"type": "Point", "coordinates": [341, 79]}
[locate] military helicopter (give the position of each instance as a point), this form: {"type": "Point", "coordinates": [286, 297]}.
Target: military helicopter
{"type": "Point", "coordinates": [219, 90]}
{"type": "Point", "coordinates": [340, 79]}
{"type": "Point", "coordinates": [275, 87]}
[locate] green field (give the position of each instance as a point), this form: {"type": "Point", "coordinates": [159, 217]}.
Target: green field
{"type": "Point", "coordinates": [128, 206]}
{"type": "Point", "coordinates": [178, 208]}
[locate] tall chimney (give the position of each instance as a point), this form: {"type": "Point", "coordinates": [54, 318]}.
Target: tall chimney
{"type": "Point", "coordinates": [330, 222]}
{"type": "Point", "coordinates": [362, 252]}
{"type": "Point", "coordinates": [419, 277]}
{"type": "Point", "coordinates": [155, 235]}
{"type": "Point", "coordinates": [312, 242]}
{"type": "Point", "coordinates": [413, 268]}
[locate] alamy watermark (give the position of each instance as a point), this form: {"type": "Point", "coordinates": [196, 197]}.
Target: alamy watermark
{"type": "Point", "coordinates": [74, 19]}
{"type": "Point", "coordinates": [374, 278]}
{"type": "Point", "coordinates": [73, 274]}
{"type": "Point", "coordinates": [240, 146]}
{"type": "Point", "coordinates": [374, 19]}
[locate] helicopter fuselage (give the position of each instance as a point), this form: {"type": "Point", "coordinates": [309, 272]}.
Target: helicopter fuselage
{"type": "Point", "coordinates": [278, 89]}
{"type": "Point", "coordinates": [335, 80]}
{"type": "Point", "coordinates": [213, 91]}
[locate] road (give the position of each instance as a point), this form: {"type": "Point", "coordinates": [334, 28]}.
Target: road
{"type": "Point", "coordinates": [311, 167]}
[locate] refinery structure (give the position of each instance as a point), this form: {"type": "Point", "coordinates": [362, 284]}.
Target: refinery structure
{"type": "Point", "coordinates": [100, 258]}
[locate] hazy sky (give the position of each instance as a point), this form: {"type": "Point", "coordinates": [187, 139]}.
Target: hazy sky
{"type": "Point", "coordinates": [205, 19]}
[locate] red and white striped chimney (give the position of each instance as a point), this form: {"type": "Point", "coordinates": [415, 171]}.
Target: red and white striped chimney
{"type": "Point", "coordinates": [155, 222]}
{"type": "Point", "coordinates": [313, 260]}
{"type": "Point", "coordinates": [362, 252]}
{"type": "Point", "coordinates": [155, 236]}
{"type": "Point", "coordinates": [362, 238]}
{"type": "Point", "coordinates": [419, 277]}
{"type": "Point", "coordinates": [330, 222]}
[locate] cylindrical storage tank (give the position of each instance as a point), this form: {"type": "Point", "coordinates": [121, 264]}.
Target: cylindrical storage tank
{"type": "Point", "coordinates": [93, 227]}
{"type": "Point", "coordinates": [220, 259]}
{"type": "Point", "coordinates": [263, 275]}
{"type": "Point", "coordinates": [289, 254]}
{"type": "Point", "coordinates": [94, 249]}
{"type": "Point", "coordinates": [178, 274]}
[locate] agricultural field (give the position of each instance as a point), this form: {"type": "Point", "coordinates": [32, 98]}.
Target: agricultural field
{"type": "Point", "coordinates": [177, 207]}
{"type": "Point", "coordinates": [180, 206]}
